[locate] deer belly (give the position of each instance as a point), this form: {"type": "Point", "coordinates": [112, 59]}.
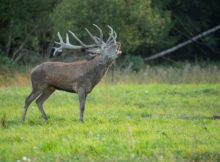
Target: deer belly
{"type": "Point", "coordinates": [63, 84]}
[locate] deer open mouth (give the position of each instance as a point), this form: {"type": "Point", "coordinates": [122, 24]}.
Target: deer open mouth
{"type": "Point", "coordinates": [118, 51]}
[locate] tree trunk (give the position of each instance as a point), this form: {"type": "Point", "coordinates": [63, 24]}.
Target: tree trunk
{"type": "Point", "coordinates": [8, 46]}
{"type": "Point", "coordinates": [17, 51]}
{"type": "Point", "coordinates": [165, 52]}
{"type": "Point", "coordinates": [49, 49]}
{"type": "Point", "coordinates": [22, 44]}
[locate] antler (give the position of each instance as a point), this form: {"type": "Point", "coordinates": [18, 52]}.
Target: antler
{"type": "Point", "coordinates": [83, 45]}
{"type": "Point", "coordinates": [90, 48]}
{"type": "Point", "coordinates": [111, 38]}
{"type": "Point", "coordinates": [67, 45]}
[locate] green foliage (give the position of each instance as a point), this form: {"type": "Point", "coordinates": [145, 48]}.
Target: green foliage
{"type": "Point", "coordinates": [190, 18]}
{"type": "Point", "coordinates": [144, 27]}
{"type": "Point", "coordinates": [3, 59]}
{"type": "Point", "coordinates": [128, 123]}
{"type": "Point", "coordinates": [25, 22]}
{"type": "Point", "coordinates": [136, 63]}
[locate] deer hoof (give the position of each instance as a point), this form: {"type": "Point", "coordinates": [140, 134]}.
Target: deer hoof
{"type": "Point", "coordinates": [81, 120]}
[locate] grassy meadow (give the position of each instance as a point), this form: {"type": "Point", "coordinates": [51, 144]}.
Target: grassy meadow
{"type": "Point", "coordinates": [160, 114]}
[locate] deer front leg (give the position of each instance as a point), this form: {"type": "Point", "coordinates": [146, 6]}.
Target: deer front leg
{"type": "Point", "coordinates": [82, 100]}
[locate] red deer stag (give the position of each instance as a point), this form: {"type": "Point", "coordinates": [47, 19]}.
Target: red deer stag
{"type": "Point", "coordinates": [76, 77]}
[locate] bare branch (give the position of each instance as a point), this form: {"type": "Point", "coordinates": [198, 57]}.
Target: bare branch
{"type": "Point", "coordinates": [165, 52]}
{"type": "Point", "coordinates": [23, 43]}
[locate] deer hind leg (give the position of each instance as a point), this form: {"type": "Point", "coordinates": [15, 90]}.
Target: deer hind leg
{"type": "Point", "coordinates": [82, 100]}
{"type": "Point", "coordinates": [44, 96]}
{"type": "Point", "coordinates": [28, 101]}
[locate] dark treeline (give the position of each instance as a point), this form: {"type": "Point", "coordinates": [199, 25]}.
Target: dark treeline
{"type": "Point", "coordinates": [144, 27]}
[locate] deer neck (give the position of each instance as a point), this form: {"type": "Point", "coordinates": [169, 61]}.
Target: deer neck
{"type": "Point", "coordinates": [100, 67]}
{"type": "Point", "coordinates": [105, 60]}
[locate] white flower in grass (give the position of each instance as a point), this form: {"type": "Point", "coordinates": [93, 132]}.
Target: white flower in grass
{"type": "Point", "coordinates": [24, 158]}
{"type": "Point", "coordinates": [18, 160]}
{"type": "Point", "coordinates": [132, 156]}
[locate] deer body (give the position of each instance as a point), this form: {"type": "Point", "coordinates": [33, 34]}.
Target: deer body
{"type": "Point", "coordinates": [69, 76]}
{"type": "Point", "coordinates": [76, 77]}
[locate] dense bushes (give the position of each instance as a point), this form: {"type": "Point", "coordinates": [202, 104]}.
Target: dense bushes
{"type": "Point", "coordinates": [131, 63]}
{"type": "Point", "coordinates": [4, 59]}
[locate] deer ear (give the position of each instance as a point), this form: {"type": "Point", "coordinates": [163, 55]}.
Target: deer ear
{"type": "Point", "coordinates": [92, 55]}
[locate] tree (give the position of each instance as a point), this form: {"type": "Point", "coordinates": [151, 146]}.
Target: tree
{"type": "Point", "coordinates": [24, 23]}
{"type": "Point", "coordinates": [190, 18]}
{"type": "Point", "coordinates": [180, 45]}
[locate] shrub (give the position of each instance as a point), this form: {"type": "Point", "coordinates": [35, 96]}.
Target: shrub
{"type": "Point", "coordinates": [4, 59]}
{"type": "Point", "coordinates": [133, 63]}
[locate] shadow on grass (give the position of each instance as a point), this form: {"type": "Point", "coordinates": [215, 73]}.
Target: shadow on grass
{"type": "Point", "coordinates": [198, 117]}
{"type": "Point", "coordinates": [11, 123]}
{"type": "Point", "coordinates": [34, 122]}
{"type": "Point", "coordinates": [183, 117]}
{"type": "Point", "coordinates": [190, 117]}
{"type": "Point", "coordinates": [61, 120]}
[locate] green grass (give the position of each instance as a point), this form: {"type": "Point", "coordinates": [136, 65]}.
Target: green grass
{"type": "Point", "coordinates": [121, 123]}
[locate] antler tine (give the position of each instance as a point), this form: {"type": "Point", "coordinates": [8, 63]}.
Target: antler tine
{"type": "Point", "coordinates": [93, 37]}
{"type": "Point", "coordinates": [59, 49]}
{"type": "Point", "coordinates": [56, 50]}
{"type": "Point", "coordinates": [67, 39]}
{"type": "Point", "coordinates": [73, 34]}
{"type": "Point", "coordinates": [113, 38]}
{"type": "Point", "coordinates": [115, 35]}
{"type": "Point", "coordinates": [101, 34]}
{"type": "Point", "coordinates": [99, 40]}
{"type": "Point", "coordinates": [60, 38]}
{"type": "Point", "coordinates": [110, 35]}
{"type": "Point", "coordinates": [84, 45]}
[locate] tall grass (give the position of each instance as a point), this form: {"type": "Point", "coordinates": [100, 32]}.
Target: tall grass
{"type": "Point", "coordinates": [186, 73]}
{"type": "Point", "coordinates": [14, 76]}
